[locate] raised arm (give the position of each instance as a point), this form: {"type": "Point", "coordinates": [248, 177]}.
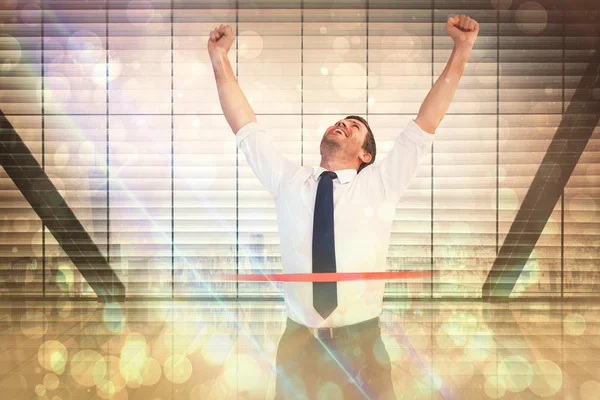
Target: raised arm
{"type": "Point", "coordinates": [463, 30]}
{"type": "Point", "coordinates": [235, 106]}
{"type": "Point", "coordinates": [272, 169]}
{"type": "Point", "coordinates": [399, 167]}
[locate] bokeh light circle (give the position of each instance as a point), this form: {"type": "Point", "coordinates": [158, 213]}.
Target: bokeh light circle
{"type": "Point", "coordinates": [11, 52]}
{"type": "Point", "coordinates": [547, 379]}
{"type": "Point", "coordinates": [589, 390]}
{"type": "Point", "coordinates": [531, 18]}
{"type": "Point", "coordinates": [574, 324]}
{"type": "Point", "coordinates": [216, 349]}
{"type": "Point", "coordinates": [243, 365]}
{"type": "Point", "coordinates": [494, 387]}
{"type": "Point", "coordinates": [250, 44]}
{"type": "Point", "coordinates": [110, 384]}
{"type": "Point", "coordinates": [40, 390]}
{"type": "Point", "coordinates": [582, 208]}
{"type": "Point", "coordinates": [87, 367]}
{"type": "Point", "coordinates": [51, 381]}
{"type": "Point", "coordinates": [341, 45]}
{"type": "Point", "coordinates": [31, 14]}
{"type": "Point", "coordinates": [53, 356]}
{"type": "Point", "coordinates": [85, 47]}
{"type": "Point", "coordinates": [133, 356]}
{"type": "Point", "coordinates": [517, 373]}
{"type": "Point", "coordinates": [151, 372]}
{"type": "Point", "coordinates": [330, 391]}
{"type": "Point", "coordinates": [178, 368]}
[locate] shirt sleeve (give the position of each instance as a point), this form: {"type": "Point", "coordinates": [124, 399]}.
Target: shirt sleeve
{"type": "Point", "coordinates": [270, 167]}
{"type": "Point", "coordinates": [397, 170]}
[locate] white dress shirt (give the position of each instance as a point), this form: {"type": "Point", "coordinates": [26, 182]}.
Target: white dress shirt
{"type": "Point", "coordinates": [364, 207]}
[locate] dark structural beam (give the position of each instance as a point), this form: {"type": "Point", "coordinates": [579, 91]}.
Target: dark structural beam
{"type": "Point", "coordinates": [572, 135]}
{"type": "Point", "coordinates": [29, 177]}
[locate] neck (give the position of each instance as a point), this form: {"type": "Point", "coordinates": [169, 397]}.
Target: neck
{"type": "Point", "coordinates": [335, 165]}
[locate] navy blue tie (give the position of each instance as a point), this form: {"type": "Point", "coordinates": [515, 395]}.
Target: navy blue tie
{"type": "Point", "coordinates": [323, 254]}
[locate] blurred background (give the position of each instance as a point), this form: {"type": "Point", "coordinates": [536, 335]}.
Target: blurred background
{"type": "Point", "coordinates": [118, 104]}
{"type": "Point", "coordinates": [116, 101]}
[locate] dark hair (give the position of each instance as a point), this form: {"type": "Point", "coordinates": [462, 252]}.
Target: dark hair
{"type": "Point", "coordinates": [369, 144]}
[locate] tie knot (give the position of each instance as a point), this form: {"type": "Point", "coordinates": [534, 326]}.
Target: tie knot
{"type": "Point", "coordinates": [330, 174]}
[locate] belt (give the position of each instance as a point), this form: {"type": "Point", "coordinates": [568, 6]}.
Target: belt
{"type": "Point", "coordinates": [341, 332]}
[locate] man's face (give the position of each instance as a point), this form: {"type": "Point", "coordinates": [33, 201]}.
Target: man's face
{"type": "Point", "coordinates": [346, 136]}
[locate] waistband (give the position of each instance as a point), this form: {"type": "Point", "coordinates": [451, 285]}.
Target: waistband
{"type": "Point", "coordinates": [341, 332]}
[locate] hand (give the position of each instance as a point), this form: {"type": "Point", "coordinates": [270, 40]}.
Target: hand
{"type": "Point", "coordinates": [463, 30]}
{"type": "Point", "coordinates": [220, 40]}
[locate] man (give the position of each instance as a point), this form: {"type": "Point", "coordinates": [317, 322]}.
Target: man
{"type": "Point", "coordinates": [337, 218]}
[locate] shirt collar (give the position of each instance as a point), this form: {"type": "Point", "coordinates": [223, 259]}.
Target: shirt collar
{"type": "Point", "coordinates": [344, 175]}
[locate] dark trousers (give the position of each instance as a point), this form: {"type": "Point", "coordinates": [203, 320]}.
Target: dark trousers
{"type": "Point", "coordinates": [355, 367]}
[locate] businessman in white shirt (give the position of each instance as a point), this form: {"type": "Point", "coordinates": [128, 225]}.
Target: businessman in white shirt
{"type": "Point", "coordinates": [337, 217]}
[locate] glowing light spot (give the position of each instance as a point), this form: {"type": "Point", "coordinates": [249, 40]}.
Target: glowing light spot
{"type": "Point", "coordinates": [40, 390]}
{"type": "Point", "coordinates": [61, 157]}
{"type": "Point", "coordinates": [324, 71]}
{"type": "Point", "coordinates": [151, 372]}
{"type": "Point", "coordinates": [11, 53]}
{"type": "Point", "coordinates": [178, 368]}
{"type": "Point", "coordinates": [330, 391]}
{"type": "Point", "coordinates": [589, 390]}
{"type": "Point", "coordinates": [133, 358]}
{"type": "Point", "coordinates": [574, 324]}
{"type": "Point", "coordinates": [547, 379]}
{"type": "Point", "coordinates": [250, 44]}
{"type": "Point", "coordinates": [341, 45]}
{"type": "Point", "coordinates": [31, 14]}
{"type": "Point", "coordinates": [582, 208]}
{"type": "Point", "coordinates": [480, 344]}
{"type": "Point", "coordinates": [494, 387]}
{"type": "Point", "coordinates": [216, 349]}
{"type": "Point", "coordinates": [50, 381]}
{"type": "Point", "coordinates": [107, 377]}
{"type": "Point", "coordinates": [516, 372]}
{"type": "Point", "coordinates": [531, 18]}
{"type": "Point", "coordinates": [85, 369]}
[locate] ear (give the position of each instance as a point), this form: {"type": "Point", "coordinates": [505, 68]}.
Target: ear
{"type": "Point", "coordinates": [364, 157]}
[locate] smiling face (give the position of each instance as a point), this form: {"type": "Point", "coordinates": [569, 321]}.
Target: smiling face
{"type": "Point", "coordinates": [343, 143]}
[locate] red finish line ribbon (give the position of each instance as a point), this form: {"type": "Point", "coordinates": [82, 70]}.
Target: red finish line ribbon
{"type": "Point", "coordinates": [325, 276]}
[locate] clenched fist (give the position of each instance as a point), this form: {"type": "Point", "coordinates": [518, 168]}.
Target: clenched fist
{"type": "Point", "coordinates": [463, 30]}
{"type": "Point", "coordinates": [220, 40]}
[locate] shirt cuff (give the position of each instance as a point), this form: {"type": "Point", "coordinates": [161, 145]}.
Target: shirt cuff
{"type": "Point", "coordinates": [418, 135]}
{"type": "Point", "coordinates": [246, 130]}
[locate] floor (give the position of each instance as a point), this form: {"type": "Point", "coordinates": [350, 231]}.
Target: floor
{"type": "Point", "coordinates": [158, 350]}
